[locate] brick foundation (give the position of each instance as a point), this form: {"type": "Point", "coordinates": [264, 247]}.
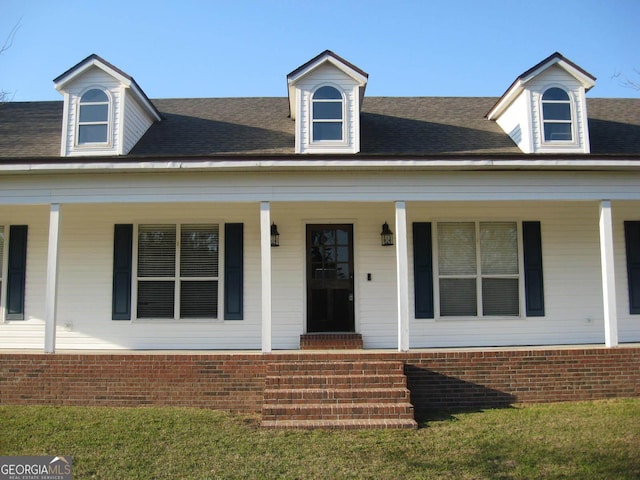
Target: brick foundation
{"type": "Point", "coordinates": [438, 379]}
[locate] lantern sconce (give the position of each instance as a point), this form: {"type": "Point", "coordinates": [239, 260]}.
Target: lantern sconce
{"type": "Point", "coordinates": [386, 237]}
{"type": "Point", "coordinates": [275, 236]}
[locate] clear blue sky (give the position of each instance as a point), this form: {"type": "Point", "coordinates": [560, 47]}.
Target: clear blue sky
{"type": "Point", "coordinates": [190, 48]}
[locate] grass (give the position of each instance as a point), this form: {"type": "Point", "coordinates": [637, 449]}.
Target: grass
{"type": "Point", "coordinates": [590, 440]}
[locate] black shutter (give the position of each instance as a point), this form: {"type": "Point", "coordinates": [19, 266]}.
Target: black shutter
{"type": "Point", "coordinates": [16, 273]}
{"type": "Point", "coordinates": [122, 271]}
{"type": "Point", "coordinates": [233, 270]}
{"type": "Point", "coordinates": [423, 270]}
{"type": "Point", "coordinates": [533, 280]}
{"type": "Point", "coordinates": [632, 244]}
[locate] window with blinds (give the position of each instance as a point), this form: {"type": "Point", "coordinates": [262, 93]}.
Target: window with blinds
{"type": "Point", "coordinates": [478, 269]}
{"type": "Point", "coordinates": [178, 271]}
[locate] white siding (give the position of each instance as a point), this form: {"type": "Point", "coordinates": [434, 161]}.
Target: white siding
{"type": "Point", "coordinates": [325, 185]}
{"type": "Point", "coordinates": [374, 301]}
{"type": "Point", "coordinates": [516, 122]}
{"type": "Point", "coordinates": [572, 278]}
{"type": "Point", "coordinates": [28, 333]}
{"type": "Point", "coordinates": [136, 122]}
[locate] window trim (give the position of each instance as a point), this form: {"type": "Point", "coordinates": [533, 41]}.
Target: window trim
{"type": "Point", "coordinates": [177, 277]}
{"type": "Point", "coordinates": [520, 276]}
{"type": "Point", "coordinates": [572, 121]}
{"type": "Point", "coordinates": [109, 122]}
{"type": "Point", "coordinates": [312, 121]}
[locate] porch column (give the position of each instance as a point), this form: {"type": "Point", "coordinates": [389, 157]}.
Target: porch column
{"type": "Point", "coordinates": [265, 255]}
{"type": "Point", "coordinates": [402, 265]}
{"type": "Point", "coordinates": [51, 295]}
{"type": "Point", "coordinates": [608, 275]}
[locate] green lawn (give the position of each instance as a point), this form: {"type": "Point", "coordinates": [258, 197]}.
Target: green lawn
{"type": "Point", "coordinates": [591, 440]}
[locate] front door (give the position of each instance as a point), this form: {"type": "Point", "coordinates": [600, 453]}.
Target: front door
{"type": "Point", "coordinates": [330, 278]}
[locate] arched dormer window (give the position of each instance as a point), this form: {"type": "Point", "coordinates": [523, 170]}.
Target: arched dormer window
{"type": "Point", "coordinates": [328, 121]}
{"type": "Point", "coordinates": [93, 117]}
{"type": "Point", "coordinates": [556, 115]}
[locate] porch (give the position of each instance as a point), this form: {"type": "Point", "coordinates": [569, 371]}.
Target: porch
{"type": "Point", "coordinates": [69, 288]}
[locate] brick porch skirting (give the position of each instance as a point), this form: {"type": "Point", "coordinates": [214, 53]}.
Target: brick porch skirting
{"type": "Point", "coordinates": [437, 379]}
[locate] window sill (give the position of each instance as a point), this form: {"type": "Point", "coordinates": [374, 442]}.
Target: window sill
{"type": "Point", "coordinates": [176, 321]}
{"type": "Point", "coordinates": [476, 319]}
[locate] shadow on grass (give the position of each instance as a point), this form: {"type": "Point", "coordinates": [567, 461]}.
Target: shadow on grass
{"type": "Point", "coordinates": [438, 397]}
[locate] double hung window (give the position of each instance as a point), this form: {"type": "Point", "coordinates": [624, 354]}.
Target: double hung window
{"type": "Point", "coordinates": [556, 113]}
{"type": "Point", "coordinates": [478, 269]}
{"type": "Point", "coordinates": [93, 117]}
{"type": "Point", "coordinates": [327, 106]}
{"type": "Point", "coordinates": [177, 271]}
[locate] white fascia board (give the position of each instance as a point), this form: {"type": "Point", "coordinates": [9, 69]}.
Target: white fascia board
{"type": "Point", "coordinates": [587, 82]}
{"type": "Point", "coordinates": [144, 102]}
{"type": "Point", "coordinates": [359, 78]}
{"type": "Point", "coordinates": [506, 100]}
{"type": "Point", "coordinates": [554, 163]}
{"type": "Point", "coordinates": [92, 63]}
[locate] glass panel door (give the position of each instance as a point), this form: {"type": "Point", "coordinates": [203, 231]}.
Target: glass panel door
{"type": "Point", "coordinates": [330, 302]}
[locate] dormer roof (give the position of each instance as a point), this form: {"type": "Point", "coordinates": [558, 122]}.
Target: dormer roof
{"type": "Point", "coordinates": [585, 78]}
{"type": "Point", "coordinates": [126, 80]}
{"type": "Point", "coordinates": [357, 74]}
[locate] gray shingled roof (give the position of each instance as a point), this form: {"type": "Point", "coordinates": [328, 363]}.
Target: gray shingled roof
{"type": "Point", "coordinates": [260, 126]}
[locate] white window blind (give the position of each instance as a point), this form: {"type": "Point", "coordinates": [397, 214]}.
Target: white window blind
{"type": "Point", "coordinates": [156, 271]}
{"type": "Point", "coordinates": [478, 269]}
{"type": "Point", "coordinates": [199, 245]}
{"type": "Point", "coordinates": [458, 269]}
{"type": "Point", "coordinates": [178, 262]}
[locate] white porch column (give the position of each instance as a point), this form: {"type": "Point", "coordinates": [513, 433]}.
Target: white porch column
{"type": "Point", "coordinates": [608, 275]}
{"type": "Point", "coordinates": [51, 295]}
{"type": "Point", "coordinates": [265, 255]}
{"type": "Point", "coordinates": [402, 265]}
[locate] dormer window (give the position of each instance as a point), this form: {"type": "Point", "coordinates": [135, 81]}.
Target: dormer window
{"type": "Point", "coordinates": [93, 117]}
{"type": "Point", "coordinates": [545, 109]}
{"type": "Point", "coordinates": [556, 114]}
{"type": "Point", "coordinates": [327, 114]}
{"type": "Point", "coordinates": [107, 118]}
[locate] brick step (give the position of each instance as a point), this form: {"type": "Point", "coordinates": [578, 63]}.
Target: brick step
{"type": "Point", "coordinates": [337, 394]}
{"type": "Point", "coordinates": [336, 381]}
{"type": "Point", "coordinates": [331, 341]}
{"type": "Point", "coordinates": [337, 411]}
{"type": "Point", "coordinates": [345, 424]}
{"type": "Point", "coordinates": [340, 367]}
{"type": "Point", "coordinates": [341, 395]}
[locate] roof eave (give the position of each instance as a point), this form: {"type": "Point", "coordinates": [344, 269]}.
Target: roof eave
{"type": "Point", "coordinates": [547, 162]}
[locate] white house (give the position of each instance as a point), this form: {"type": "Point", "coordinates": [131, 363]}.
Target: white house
{"type": "Point", "coordinates": [130, 223]}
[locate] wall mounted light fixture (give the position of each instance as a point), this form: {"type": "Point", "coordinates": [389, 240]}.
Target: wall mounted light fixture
{"type": "Point", "coordinates": [275, 236]}
{"type": "Point", "coordinates": [386, 237]}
